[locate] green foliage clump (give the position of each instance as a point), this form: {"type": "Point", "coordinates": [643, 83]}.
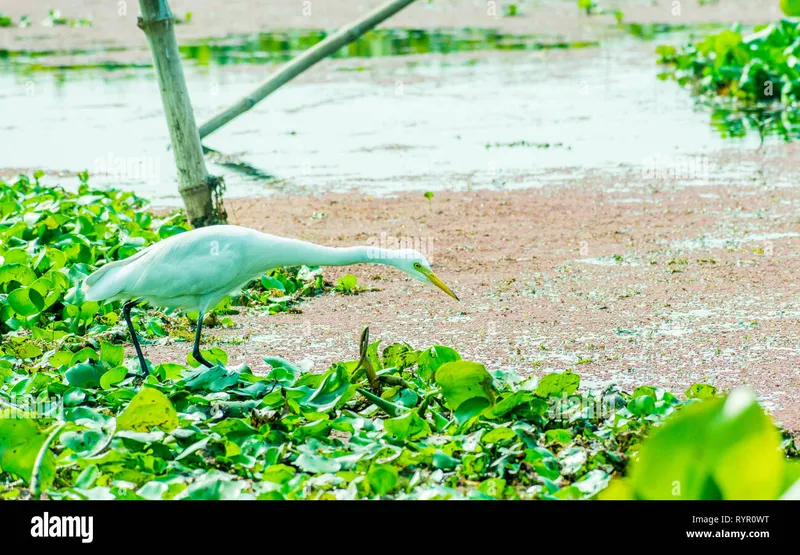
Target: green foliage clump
{"type": "Point", "coordinates": [749, 81]}
{"type": "Point", "coordinates": [436, 426]}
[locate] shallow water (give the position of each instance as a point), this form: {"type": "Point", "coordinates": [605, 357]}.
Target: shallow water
{"type": "Point", "coordinates": [508, 112]}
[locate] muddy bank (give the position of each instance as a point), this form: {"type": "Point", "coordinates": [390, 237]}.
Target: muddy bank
{"type": "Point", "coordinates": [642, 281]}
{"type": "Point", "coordinates": [114, 23]}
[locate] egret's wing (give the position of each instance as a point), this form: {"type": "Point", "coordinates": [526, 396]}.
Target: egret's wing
{"type": "Point", "coordinates": [197, 268]}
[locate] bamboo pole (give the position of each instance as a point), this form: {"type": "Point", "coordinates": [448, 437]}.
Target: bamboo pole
{"type": "Point", "coordinates": [195, 184]}
{"type": "Point", "coordinates": [301, 63]}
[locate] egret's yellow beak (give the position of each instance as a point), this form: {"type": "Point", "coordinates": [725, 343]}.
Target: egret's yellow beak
{"type": "Point", "coordinates": [438, 283]}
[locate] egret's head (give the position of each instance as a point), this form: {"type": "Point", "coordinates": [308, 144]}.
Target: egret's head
{"type": "Point", "coordinates": [417, 266]}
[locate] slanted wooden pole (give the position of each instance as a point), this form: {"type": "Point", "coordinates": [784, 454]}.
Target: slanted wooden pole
{"type": "Point", "coordinates": [200, 191]}
{"type": "Point", "coordinates": [301, 63]}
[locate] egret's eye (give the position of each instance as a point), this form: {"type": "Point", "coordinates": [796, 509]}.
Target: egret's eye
{"type": "Point", "coordinates": [417, 266]}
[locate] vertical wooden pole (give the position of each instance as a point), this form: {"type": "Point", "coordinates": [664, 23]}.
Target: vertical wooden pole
{"type": "Point", "coordinates": [200, 191]}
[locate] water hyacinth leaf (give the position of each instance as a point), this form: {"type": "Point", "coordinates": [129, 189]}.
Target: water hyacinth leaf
{"type": "Point", "coordinates": [113, 377]}
{"type": "Point", "coordinates": [509, 403]}
{"type": "Point", "coordinates": [443, 461]}
{"type": "Point", "coordinates": [331, 391]}
{"type": "Point", "coordinates": [60, 358]}
{"type": "Point", "coordinates": [149, 408]}
{"type": "Point", "coordinates": [88, 477]}
{"type": "Point", "coordinates": [166, 231]}
{"type": "Point", "coordinates": [642, 405]}
{"type": "Point", "coordinates": [501, 433]}
{"type": "Point", "coordinates": [22, 349]}
{"type": "Point", "coordinates": [471, 408]}
{"type": "Point", "coordinates": [84, 375]}
{"type": "Point", "coordinates": [269, 282]}
{"type": "Point", "coordinates": [26, 301]}
{"type": "Point", "coordinates": [572, 459]}
{"type": "Point", "coordinates": [407, 426]}
{"type": "Point", "coordinates": [278, 473]}
{"type": "Point", "coordinates": [463, 380]}
{"type": "Point", "coordinates": [347, 283]}
{"type": "Point", "coordinates": [493, 487]}
{"type": "Point", "coordinates": [84, 355]}
{"type": "Point", "coordinates": [431, 359]}
{"type": "Point", "coordinates": [15, 432]}
{"type": "Point", "coordinates": [20, 273]}
{"type": "Point", "coordinates": [213, 488]}
{"type": "Point", "coordinates": [701, 391]}
{"type": "Point", "coordinates": [558, 435]}
{"type": "Point", "coordinates": [316, 464]}
{"type": "Point", "coordinates": [558, 384]}
{"type": "Point", "coordinates": [382, 478]}
{"type": "Point", "coordinates": [74, 397]}
{"type": "Point", "coordinates": [113, 355]}
{"type": "Point", "coordinates": [83, 442]}
{"type": "Point", "coordinates": [20, 443]}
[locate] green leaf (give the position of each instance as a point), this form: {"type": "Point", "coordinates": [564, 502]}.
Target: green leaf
{"type": "Point", "coordinates": [20, 443]}
{"type": "Point", "coordinates": [471, 408]}
{"type": "Point", "coordinates": [701, 391]}
{"type": "Point", "coordinates": [382, 478]}
{"type": "Point", "coordinates": [278, 473]}
{"type": "Point", "coordinates": [331, 390]}
{"type": "Point", "coordinates": [113, 377]}
{"type": "Point", "coordinates": [269, 282]}
{"type": "Point", "coordinates": [557, 385]}
{"type": "Point", "coordinates": [26, 301]}
{"type": "Point", "coordinates": [493, 487]}
{"type": "Point", "coordinates": [113, 355]}
{"type": "Point", "coordinates": [316, 464]}
{"type": "Point", "coordinates": [347, 283]}
{"type": "Point", "coordinates": [149, 408]}
{"type": "Point", "coordinates": [560, 436]}
{"type": "Point", "coordinates": [509, 403]}
{"type": "Point", "coordinates": [463, 380]}
{"type": "Point", "coordinates": [642, 405]}
{"type": "Point", "coordinates": [17, 272]}
{"type": "Point", "coordinates": [501, 433]}
{"type": "Point", "coordinates": [433, 358]}
{"type": "Point", "coordinates": [84, 376]}
{"type": "Point", "coordinates": [407, 426]}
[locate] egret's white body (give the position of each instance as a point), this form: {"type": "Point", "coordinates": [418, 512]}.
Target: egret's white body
{"type": "Point", "coordinates": [197, 269]}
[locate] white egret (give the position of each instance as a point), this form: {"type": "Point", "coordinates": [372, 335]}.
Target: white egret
{"type": "Point", "coordinates": [195, 270]}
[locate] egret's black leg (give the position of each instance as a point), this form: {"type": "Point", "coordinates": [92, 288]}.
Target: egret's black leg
{"type": "Point", "coordinates": [196, 351]}
{"type": "Point", "coordinates": [126, 312]}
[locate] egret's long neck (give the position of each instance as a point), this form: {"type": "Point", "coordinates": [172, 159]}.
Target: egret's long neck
{"type": "Point", "coordinates": [297, 253]}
